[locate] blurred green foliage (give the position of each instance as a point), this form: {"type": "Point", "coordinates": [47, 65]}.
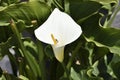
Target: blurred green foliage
{"type": "Point", "coordinates": [95, 55]}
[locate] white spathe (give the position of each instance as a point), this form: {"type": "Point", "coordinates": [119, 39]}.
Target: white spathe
{"type": "Point", "coordinates": [63, 28]}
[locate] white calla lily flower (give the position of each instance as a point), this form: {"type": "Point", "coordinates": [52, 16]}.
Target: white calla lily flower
{"type": "Point", "coordinates": [58, 30]}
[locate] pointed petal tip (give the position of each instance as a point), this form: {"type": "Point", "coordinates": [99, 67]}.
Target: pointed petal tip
{"type": "Point", "coordinates": [59, 53]}
{"type": "Point", "coordinates": [56, 9]}
{"type": "Point", "coordinates": [60, 60]}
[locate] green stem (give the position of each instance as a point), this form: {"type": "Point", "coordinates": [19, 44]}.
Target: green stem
{"type": "Point", "coordinates": [66, 74]}
{"type": "Point", "coordinates": [66, 6]}
{"type": "Point", "coordinates": [17, 34]}
{"type": "Point", "coordinates": [29, 58]}
{"type": "Point", "coordinates": [113, 17]}
{"type": "Point", "coordinates": [73, 56]}
{"type": "Point", "coordinates": [58, 5]}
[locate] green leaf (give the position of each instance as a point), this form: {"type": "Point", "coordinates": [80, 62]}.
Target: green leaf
{"type": "Point", "coordinates": [31, 47]}
{"type": "Point", "coordinates": [10, 76]}
{"type": "Point", "coordinates": [26, 11]}
{"type": "Point", "coordinates": [7, 2]}
{"type": "Point", "coordinates": [95, 70]}
{"type": "Point", "coordinates": [2, 77]}
{"type": "Point", "coordinates": [74, 75]}
{"type": "Point", "coordinates": [114, 66]}
{"type": "Point", "coordinates": [102, 37]}
{"type": "Point", "coordinates": [106, 1]}
{"type": "Point", "coordinates": [84, 75]}
{"type": "Point", "coordinates": [116, 69]}
{"type": "Point", "coordinates": [4, 47]}
{"type": "Point", "coordinates": [5, 33]}
{"type": "Point", "coordinates": [99, 52]}
{"type": "Point", "coordinates": [49, 52]}
{"type": "Point", "coordinates": [41, 56]}
{"type": "Point", "coordinates": [20, 25]}
{"type": "Point", "coordinates": [82, 10]}
{"type": "Point", "coordinates": [23, 77]}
